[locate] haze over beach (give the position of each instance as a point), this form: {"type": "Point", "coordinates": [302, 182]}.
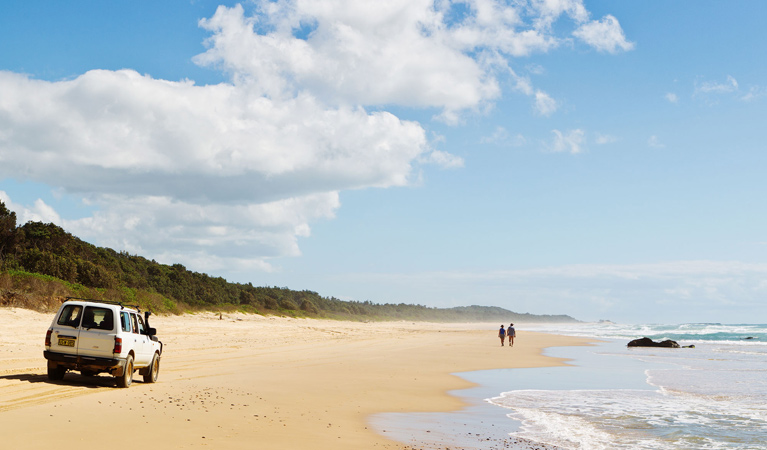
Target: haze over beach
{"type": "Point", "coordinates": [598, 159]}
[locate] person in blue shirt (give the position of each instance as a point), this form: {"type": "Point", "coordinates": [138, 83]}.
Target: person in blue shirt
{"type": "Point", "coordinates": [502, 335]}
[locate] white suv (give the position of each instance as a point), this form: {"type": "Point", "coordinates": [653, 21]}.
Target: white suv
{"type": "Point", "coordinates": [95, 336]}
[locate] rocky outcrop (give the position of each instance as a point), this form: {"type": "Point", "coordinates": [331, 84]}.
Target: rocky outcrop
{"type": "Point", "coordinates": [647, 342]}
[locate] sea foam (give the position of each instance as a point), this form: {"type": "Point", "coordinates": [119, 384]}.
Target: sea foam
{"type": "Point", "coordinates": [711, 397]}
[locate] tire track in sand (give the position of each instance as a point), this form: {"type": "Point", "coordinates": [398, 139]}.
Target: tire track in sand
{"type": "Point", "coordinates": [24, 389]}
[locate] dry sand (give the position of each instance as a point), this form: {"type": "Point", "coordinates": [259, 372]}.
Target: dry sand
{"type": "Point", "coordinates": [248, 382]}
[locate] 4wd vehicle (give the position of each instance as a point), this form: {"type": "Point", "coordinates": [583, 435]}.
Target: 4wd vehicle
{"type": "Point", "coordinates": [95, 336]}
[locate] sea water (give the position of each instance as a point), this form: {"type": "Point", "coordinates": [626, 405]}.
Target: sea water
{"type": "Point", "coordinates": [713, 396]}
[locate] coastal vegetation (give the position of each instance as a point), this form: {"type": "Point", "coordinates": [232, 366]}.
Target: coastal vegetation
{"type": "Point", "coordinates": [41, 264]}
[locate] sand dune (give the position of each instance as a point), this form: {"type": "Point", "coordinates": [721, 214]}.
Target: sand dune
{"type": "Point", "coordinates": [250, 382]}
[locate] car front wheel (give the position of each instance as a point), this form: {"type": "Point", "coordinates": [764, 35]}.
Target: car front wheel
{"type": "Point", "coordinates": [126, 378]}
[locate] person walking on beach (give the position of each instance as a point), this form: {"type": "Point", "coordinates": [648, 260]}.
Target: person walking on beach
{"type": "Point", "coordinates": [502, 335]}
{"type": "Point", "coordinates": [512, 334]}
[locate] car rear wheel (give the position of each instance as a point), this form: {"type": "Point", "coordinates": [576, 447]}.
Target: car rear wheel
{"type": "Point", "coordinates": [126, 378]}
{"type": "Point", "coordinates": [154, 370]}
{"type": "Point", "coordinates": [56, 373]}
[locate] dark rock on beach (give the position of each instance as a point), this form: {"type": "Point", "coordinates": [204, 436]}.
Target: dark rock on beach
{"type": "Point", "coordinates": [647, 342]}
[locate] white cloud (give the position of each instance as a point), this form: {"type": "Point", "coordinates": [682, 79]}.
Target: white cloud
{"type": "Point", "coordinates": [501, 136]}
{"type": "Point", "coordinates": [231, 232]}
{"type": "Point", "coordinates": [544, 104]}
{"type": "Point", "coordinates": [535, 69]}
{"type": "Point", "coordinates": [404, 52]}
{"type": "Point", "coordinates": [551, 10]}
{"type": "Point", "coordinates": [754, 93]}
{"type": "Point", "coordinates": [570, 142]}
{"type": "Point", "coordinates": [234, 174]}
{"type": "Point", "coordinates": [443, 159]}
{"type": "Point", "coordinates": [603, 139]}
{"type": "Point", "coordinates": [655, 142]}
{"type": "Point", "coordinates": [138, 148]}
{"type": "Point", "coordinates": [605, 35]}
{"type": "Point", "coordinates": [672, 98]}
{"type": "Point", "coordinates": [709, 89]}
{"type": "Point", "coordinates": [117, 126]}
{"type": "Point", "coordinates": [359, 53]}
{"type": "Point", "coordinates": [39, 212]}
{"type": "Point", "coordinates": [714, 87]}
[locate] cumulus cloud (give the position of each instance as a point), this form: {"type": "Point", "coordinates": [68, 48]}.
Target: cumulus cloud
{"type": "Point", "coordinates": [39, 212]}
{"type": "Point", "coordinates": [605, 35]}
{"type": "Point", "coordinates": [551, 10]}
{"type": "Point", "coordinates": [358, 53]}
{"type": "Point", "coordinates": [406, 52]}
{"type": "Point", "coordinates": [139, 147]}
{"type": "Point", "coordinates": [569, 142]}
{"type": "Point", "coordinates": [232, 175]}
{"type": "Point", "coordinates": [147, 136]}
{"type": "Point", "coordinates": [544, 104]}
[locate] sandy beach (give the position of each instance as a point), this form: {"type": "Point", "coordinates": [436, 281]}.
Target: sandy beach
{"type": "Point", "coordinates": [249, 381]}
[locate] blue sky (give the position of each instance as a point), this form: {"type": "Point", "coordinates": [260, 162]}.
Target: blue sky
{"type": "Point", "coordinates": [594, 158]}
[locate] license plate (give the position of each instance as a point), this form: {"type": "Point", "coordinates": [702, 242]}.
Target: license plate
{"type": "Point", "coordinates": [67, 342]}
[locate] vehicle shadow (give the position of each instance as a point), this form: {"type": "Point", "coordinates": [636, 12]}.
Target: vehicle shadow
{"type": "Point", "coordinates": [71, 379]}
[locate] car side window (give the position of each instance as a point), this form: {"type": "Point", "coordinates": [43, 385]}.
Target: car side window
{"type": "Point", "coordinates": [125, 321]}
{"type": "Point", "coordinates": [135, 323]}
{"type": "Point", "coordinates": [70, 316]}
{"type": "Point", "coordinates": [141, 327]}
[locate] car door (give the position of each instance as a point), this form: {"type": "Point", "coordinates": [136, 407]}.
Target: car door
{"type": "Point", "coordinates": [97, 332]}
{"type": "Point", "coordinates": [140, 343]}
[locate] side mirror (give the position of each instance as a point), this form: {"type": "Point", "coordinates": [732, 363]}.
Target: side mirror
{"type": "Point", "coordinates": [151, 331]}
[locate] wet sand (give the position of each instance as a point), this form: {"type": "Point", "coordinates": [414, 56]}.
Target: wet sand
{"type": "Point", "coordinates": [252, 382]}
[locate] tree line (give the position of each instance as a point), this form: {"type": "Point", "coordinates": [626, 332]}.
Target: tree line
{"type": "Point", "coordinates": [44, 257]}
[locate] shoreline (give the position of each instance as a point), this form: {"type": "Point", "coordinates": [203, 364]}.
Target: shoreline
{"type": "Point", "coordinates": [486, 425]}
{"type": "Point", "coordinates": [278, 382]}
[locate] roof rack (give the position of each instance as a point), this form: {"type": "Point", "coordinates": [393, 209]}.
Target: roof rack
{"type": "Point", "coordinates": [104, 301]}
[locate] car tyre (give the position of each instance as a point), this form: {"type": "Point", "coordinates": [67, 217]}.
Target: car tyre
{"type": "Point", "coordinates": [56, 373]}
{"type": "Point", "coordinates": [153, 370]}
{"type": "Point", "coordinates": [126, 378]}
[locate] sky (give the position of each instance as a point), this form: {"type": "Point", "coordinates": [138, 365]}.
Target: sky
{"type": "Point", "coordinates": [601, 159]}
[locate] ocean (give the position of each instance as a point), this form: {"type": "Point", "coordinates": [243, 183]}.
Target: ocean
{"type": "Point", "coordinates": [713, 396]}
